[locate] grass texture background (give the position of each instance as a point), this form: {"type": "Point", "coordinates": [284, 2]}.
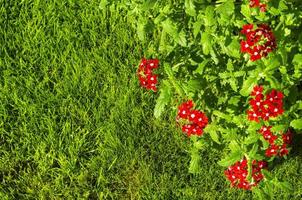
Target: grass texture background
{"type": "Point", "coordinates": [74, 123]}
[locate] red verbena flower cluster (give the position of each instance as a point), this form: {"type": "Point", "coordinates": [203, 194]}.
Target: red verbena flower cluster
{"type": "Point", "coordinates": [264, 108]}
{"type": "Point", "coordinates": [258, 42]}
{"type": "Point", "coordinates": [145, 73]}
{"type": "Point", "coordinates": [257, 3]}
{"type": "Point", "coordinates": [278, 145]}
{"type": "Point", "coordinates": [237, 174]}
{"type": "Point", "coordinates": [195, 120]}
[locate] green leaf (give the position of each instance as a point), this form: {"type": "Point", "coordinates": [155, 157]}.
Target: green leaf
{"type": "Point", "coordinates": [163, 99]}
{"type": "Point", "coordinates": [251, 138]}
{"type": "Point", "coordinates": [297, 60]}
{"type": "Point", "coordinates": [190, 7]}
{"type": "Point", "coordinates": [296, 124]}
{"type": "Point", "coordinates": [196, 28]}
{"type": "Point", "coordinates": [193, 85]}
{"type": "Point", "coordinates": [195, 162]}
{"type": "Point", "coordinates": [171, 28]}
{"type": "Point", "coordinates": [206, 39]}
{"type": "Point", "coordinates": [141, 29]}
{"type": "Point", "coordinates": [279, 128]}
{"type": "Point", "coordinates": [248, 85]}
{"type": "Point", "coordinates": [222, 115]}
{"type": "Point", "coordinates": [209, 16]}
{"type": "Point", "coordinates": [212, 129]}
{"type": "Point", "coordinates": [233, 49]}
{"type": "Point", "coordinates": [201, 66]}
{"type": "Point", "coordinates": [246, 11]}
{"type": "Point", "coordinates": [234, 146]}
{"type": "Point", "coordinates": [252, 153]}
{"type": "Point", "coordinates": [231, 159]}
{"type": "Point", "coordinates": [226, 9]}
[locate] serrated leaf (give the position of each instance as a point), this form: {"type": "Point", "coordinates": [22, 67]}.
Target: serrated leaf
{"type": "Point", "coordinates": [234, 146]}
{"type": "Point", "coordinates": [222, 115]}
{"type": "Point", "coordinates": [274, 82]}
{"type": "Point", "coordinates": [251, 138]}
{"type": "Point", "coordinates": [190, 7]}
{"type": "Point", "coordinates": [141, 29]}
{"type": "Point", "coordinates": [209, 16]}
{"type": "Point", "coordinates": [171, 28]}
{"type": "Point", "coordinates": [253, 151]}
{"type": "Point", "coordinates": [193, 85]}
{"type": "Point", "coordinates": [248, 85]}
{"type": "Point", "coordinates": [233, 49]}
{"type": "Point", "coordinates": [181, 39]}
{"type": "Point", "coordinates": [246, 11]}
{"type": "Point", "coordinates": [279, 128]}
{"type": "Point", "coordinates": [231, 159]}
{"type": "Point", "coordinates": [163, 99]}
{"type": "Point", "coordinates": [206, 42]}
{"type": "Point", "coordinates": [212, 129]}
{"type": "Point", "coordinates": [196, 28]}
{"type": "Point", "coordinates": [201, 66]}
{"type": "Point", "coordinates": [194, 162]}
{"type": "Point", "coordinates": [296, 124]}
{"type": "Point", "coordinates": [226, 9]}
{"type": "Point", "coordinates": [297, 60]}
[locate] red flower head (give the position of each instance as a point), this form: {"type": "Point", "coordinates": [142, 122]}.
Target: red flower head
{"type": "Point", "coordinates": [145, 74]}
{"type": "Point", "coordinates": [287, 137]}
{"type": "Point", "coordinates": [272, 150]}
{"type": "Point", "coordinates": [196, 119]}
{"type": "Point", "coordinates": [259, 42]}
{"type": "Point", "coordinates": [238, 172]}
{"type": "Point", "coordinates": [257, 3]}
{"type": "Point", "coordinates": [271, 106]}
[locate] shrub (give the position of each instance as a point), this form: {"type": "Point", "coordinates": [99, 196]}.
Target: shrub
{"type": "Point", "coordinates": [240, 62]}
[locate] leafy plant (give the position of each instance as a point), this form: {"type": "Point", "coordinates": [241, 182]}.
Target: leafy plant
{"type": "Point", "coordinates": [201, 46]}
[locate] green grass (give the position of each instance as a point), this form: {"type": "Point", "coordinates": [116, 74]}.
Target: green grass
{"type": "Point", "coordinates": [74, 124]}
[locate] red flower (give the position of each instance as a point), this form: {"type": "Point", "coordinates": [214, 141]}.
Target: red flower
{"type": "Point", "coordinates": [287, 137]}
{"type": "Point", "coordinates": [197, 120]}
{"type": "Point", "coordinates": [238, 172]}
{"type": "Point", "coordinates": [272, 150]}
{"type": "Point", "coordinates": [185, 109]}
{"type": "Point", "coordinates": [247, 28]}
{"type": "Point", "coordinates": [253, 116]}
{"type": "Point", "coordinates": [146, 77]}
{"type": "Point", "coordinates": [255, 53]}
{"type": "Point", "coordinates": [271, 106]}
{"type": "Point", "coordinates": [258, 42]}
{"type": "Point", "coordinates": [283, 150]}
{"type": "Point", "coordinates": [254, 3]}
{"type": "Point", "coordinates": [257, 90]}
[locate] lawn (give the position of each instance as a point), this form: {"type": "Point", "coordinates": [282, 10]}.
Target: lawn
{"type": "Point", "coordinates": [74, 123]}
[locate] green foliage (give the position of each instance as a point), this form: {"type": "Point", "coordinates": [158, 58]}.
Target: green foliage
{"type": "Point", "coordinates": [163, 99]}
{"type": "Point", "coordinates": [201, 42]}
